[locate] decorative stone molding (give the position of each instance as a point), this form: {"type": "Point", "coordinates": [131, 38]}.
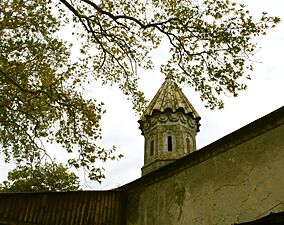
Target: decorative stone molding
{"type": "Point", "coordinates": [168, 118]}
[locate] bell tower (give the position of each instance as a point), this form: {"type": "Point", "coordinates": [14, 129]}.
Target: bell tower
{"type": "Point", "coordinates": [169, 126]}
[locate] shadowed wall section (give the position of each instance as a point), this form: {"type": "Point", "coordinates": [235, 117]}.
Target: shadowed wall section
{"type": "Point", "coordinates": [72, 208]}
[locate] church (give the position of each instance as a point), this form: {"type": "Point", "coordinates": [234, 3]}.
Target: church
{"type": "Point", "coordinates": [238, 179]}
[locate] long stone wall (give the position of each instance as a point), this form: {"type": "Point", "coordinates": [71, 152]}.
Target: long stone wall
{"type": "Point", "coordinates": [238, 179]}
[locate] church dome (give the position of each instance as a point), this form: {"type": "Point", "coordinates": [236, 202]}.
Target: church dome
{"type": "Point", "coordinates": [169, 97]}
{"type": "Point", "coordinates": [169, 126]}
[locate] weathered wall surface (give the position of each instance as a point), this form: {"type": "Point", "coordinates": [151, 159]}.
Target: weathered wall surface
{"type": "Point", "coordinates": [236, 179]}
{"type": "Point", "coordinates": [243, 183]}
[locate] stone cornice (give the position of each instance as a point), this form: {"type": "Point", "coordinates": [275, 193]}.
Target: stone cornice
{"type": "Point", "coordinates": [168, 117]}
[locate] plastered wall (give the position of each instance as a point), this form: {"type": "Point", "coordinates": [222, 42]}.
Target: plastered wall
{"type": "Point", "coordinates": [240, 184]}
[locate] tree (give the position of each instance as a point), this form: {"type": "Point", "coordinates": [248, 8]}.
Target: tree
{"type": "Point", "coordinates": [40, 95]}
{"type": "Point", "coordinates": [47, 177]}
{"type": "Point", "coordinates": [211, 45]}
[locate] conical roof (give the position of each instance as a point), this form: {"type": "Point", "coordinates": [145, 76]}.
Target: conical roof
{"type": "Point", "coordinates": [169, 96]}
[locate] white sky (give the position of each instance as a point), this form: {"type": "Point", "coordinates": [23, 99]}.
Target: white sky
{"type": "Point", "coordinates": [265, 94]}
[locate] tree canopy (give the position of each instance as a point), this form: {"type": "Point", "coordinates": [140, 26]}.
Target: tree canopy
{"type": "Point", "coordinates": [41, 87]}
{"type": "Point", "coordinates": [47, 177]}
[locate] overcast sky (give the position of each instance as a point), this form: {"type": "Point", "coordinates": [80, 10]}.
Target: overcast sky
{"type": "Point", "coordinates": [265, 94]}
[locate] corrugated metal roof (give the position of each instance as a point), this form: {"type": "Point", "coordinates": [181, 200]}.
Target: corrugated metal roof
{"type": "Point", "coordinates": [61, 208]}
{"type": "Point", "coordinates": [169, 96]}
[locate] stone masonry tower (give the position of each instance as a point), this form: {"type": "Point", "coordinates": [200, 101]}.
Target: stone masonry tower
{"type": "Point", "coordinates": [169, 126]}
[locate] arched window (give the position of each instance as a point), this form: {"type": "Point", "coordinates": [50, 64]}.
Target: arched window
{"type": "Point", "coordinates": [152, 147]}
{"type": "Point", "coordinates": [188, 148]}
{"type": "Point", "coordinates": [170, 144]}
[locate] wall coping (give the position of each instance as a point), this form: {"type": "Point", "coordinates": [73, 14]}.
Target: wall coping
{"type": "Point", "coordinates": [251, 130]}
